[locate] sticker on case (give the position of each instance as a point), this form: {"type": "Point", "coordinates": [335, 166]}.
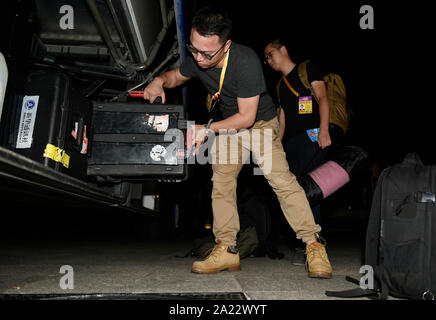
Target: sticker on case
{"type": "Point", "coordinates": [159, 123]}
{"type": "Point", "coordinates": [313, 134]}
{"type": "Point", "coordinates": [27, 122]}
{"type": "Point", "coordinates": [158, 153]}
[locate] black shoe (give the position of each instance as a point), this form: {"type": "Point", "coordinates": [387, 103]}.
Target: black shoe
{"type": "Point", "coordinates": [299, 257]}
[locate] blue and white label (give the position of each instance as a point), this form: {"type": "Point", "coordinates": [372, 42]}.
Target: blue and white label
{"type": "Point", "coordinates": [27, 122]}
{"type": "Point", "coordinates": [29, 104]}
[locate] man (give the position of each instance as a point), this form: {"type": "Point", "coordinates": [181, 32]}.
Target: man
{"type": "Point", "coordinates": [300, 116]}
{"type": "Point", "coordinates": [233, 76]}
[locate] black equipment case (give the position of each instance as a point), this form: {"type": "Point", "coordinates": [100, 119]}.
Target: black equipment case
{"type": "Point", "coordinates": [402, 230]}
{"type": "Point", "coordinates": [52, 122]}
{"type": "Point", "coordinates": [138, 141]}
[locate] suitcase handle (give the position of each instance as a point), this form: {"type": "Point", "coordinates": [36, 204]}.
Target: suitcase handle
{"type": "Point", "coordinates": [413, 159]}
{"type": "Point", "coordinates": [140, 94]}
{"type": "Point", "coordinates": [136, 94]}
{"type": "Point", "coordinates": [158, 100]}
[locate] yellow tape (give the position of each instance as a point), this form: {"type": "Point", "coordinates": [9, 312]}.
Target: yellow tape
{"type": "Point", "coordinates": [57, 154]}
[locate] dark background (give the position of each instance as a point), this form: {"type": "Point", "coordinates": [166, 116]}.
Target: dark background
{"type": "Point", "coordinates": [385, 71]}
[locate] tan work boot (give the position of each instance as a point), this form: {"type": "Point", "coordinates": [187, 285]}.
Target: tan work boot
{"type": "Point", "coordinates": [221, 258]}
{"type": "Point", "coordinates": [317, 261]}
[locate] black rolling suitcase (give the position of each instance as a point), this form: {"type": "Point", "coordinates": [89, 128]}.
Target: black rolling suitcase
{"type": "Point", "coordinates": [134, 141]}
{"type": "Point", "coordinates": [52, 122]}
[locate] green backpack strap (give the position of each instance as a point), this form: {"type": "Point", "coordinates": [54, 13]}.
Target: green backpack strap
{"type": "Point", "coordinates": [302, 74]}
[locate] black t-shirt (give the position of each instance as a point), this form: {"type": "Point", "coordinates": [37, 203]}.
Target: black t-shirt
{"type": "Point", "coordinates": [244, 79]}
{"type": "Point", "coordinates": [297, 122]}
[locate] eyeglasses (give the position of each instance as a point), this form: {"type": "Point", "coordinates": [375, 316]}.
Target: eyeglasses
{"type": "Point", "coordinates": [206, 55]}
{"type": "Point", "coordinates": [268, 56]}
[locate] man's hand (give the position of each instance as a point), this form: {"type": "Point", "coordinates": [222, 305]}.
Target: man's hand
{"type": "Point", "coordinates": [168, 80]}
{"type": "Point", "coordinates": [324, 138]}
{"type": "Point", "coordinates": [153, 90]}
{"type": "Point", "coordinates": [198, 136]}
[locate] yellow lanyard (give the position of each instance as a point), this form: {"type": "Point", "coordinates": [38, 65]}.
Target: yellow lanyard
{"type": "Point", "coordinates": [290, 87]}
{"type": "Point", "coordinates": [223, 74]}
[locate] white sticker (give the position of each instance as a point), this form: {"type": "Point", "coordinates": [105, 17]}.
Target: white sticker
{"type": "Point", "coordinates": [159, 123]}
{"type": "Point", "coordinates": [158, 152]}
{"type": "Point", "coordinates": [27, 122]}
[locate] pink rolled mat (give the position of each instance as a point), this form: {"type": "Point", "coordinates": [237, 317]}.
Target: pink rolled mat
{"type": "Point", "coordinates": [330, 177]}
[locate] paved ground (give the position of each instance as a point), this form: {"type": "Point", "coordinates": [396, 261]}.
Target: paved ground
{"type": "Point", "coordinates": [152, 267]}
{"type": "Point", "coordinates": [106, 257]}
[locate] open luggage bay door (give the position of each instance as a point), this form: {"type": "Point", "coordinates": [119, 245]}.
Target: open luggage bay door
{"type": "Point", "coordinates": [67, 124]}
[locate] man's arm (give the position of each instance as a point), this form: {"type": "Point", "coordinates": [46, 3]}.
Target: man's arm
{"type": "Point", "coordinates": [324, 113]}
{"type": "Point", "coordinates": [282, 123]}
{"type": "Point", "coordinates": [169, 79]}
{"type": "Point", "coordinates": [244, 119]}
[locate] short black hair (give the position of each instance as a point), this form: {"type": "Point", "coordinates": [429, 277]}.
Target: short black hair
{"type": "Point", "coordinates": [211, 21]}
{"type": "Point", "coordinates": [276, 43]}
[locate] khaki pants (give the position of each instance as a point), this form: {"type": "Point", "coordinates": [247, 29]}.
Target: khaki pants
{"type": "Point", "coordinates": [263, 140]}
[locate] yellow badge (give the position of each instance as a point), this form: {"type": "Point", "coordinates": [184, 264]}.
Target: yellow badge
{"type": "Point", "coordinates": [305, 105]}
